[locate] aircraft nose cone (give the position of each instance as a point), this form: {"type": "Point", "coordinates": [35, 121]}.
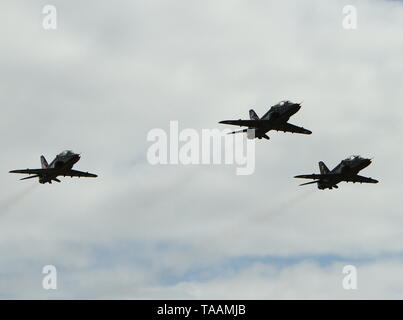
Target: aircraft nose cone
{"type": "Point", "coordinates": [367, 162]}
{"type": "Point", "coordinates": [296, 107]}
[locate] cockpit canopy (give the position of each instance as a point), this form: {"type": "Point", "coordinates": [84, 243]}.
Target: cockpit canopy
{"type": "Point", "coordinates": [284, 103]}
{"type": "Point", "coordinates": [353, 157]}
{"type": "Point", "coordinates": [66, 153]}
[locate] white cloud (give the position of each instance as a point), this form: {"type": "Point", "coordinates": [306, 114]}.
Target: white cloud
{"type": "Point", "coordinates": [106, 77]}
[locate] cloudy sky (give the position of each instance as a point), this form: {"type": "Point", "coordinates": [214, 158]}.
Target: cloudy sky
{"type": "Point", "coordinates": [114, 70]}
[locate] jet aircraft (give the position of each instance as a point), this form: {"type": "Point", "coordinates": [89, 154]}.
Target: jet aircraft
{"type": "Point", "coordinates": [274, 119]}
{"type": "Point", "coordinates": [61, 166]}
{"type": "Point", "coordinates": [347, 170]}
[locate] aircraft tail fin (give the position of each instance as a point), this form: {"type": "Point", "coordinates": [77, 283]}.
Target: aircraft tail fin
{"type": "Point", "coordinates": [44, 162]}
{"type": "Point", "coordinates": [323, 168]}
{"type": "Point", "coordinates": [253, 115]}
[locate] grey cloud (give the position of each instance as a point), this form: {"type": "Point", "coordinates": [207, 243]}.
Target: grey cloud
{"type": "Point", "coordinates": [113, 71]}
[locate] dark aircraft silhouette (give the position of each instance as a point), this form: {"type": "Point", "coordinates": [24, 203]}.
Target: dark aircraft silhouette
{"type": "Point", "coordinates": [61, 166]}
{"type": "Point", "coordinates": [347, 170]}
{"type": "Point", "coordinates": [274, 119]}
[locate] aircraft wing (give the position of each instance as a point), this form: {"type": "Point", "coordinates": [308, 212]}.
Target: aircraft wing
{"type": "Point", "coordinates": [247, 123]}
{"type": "Point", "coordinates": [360, 179]}
{"type": "Point", "coordinates": [288, 127]}
{"type": "Point", "coordinates": [341, 177]}
{"type": "Point", "coordinates": [76, 173]}
{"type": "Point", "coordinates": [314, 176]}
{"type": "Point", "coordinates": [32, 171]}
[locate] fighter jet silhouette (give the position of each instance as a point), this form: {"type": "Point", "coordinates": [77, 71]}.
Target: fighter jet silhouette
{"type": "Point", "coordinates": [347, 170]}
{"type": "Point", "coordinates": [61, 166]}
{"type": "Point", "coordinates": [274, 119]}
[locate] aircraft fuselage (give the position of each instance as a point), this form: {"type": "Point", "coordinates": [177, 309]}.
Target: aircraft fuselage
{"type": "Point", "coordinates": [345, 169]}
{"type": "Point", "coordinates": [279, 113]}
{"type": "Point", "coordinates": [62, 163]}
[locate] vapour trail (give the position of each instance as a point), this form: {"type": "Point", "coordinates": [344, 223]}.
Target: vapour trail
{"type": "Point", "coordinates": [251, 220]}
{"type": "Point", "coordinates": [11, 201]}
{"type": "Point", "coordinates": [284, 206]}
